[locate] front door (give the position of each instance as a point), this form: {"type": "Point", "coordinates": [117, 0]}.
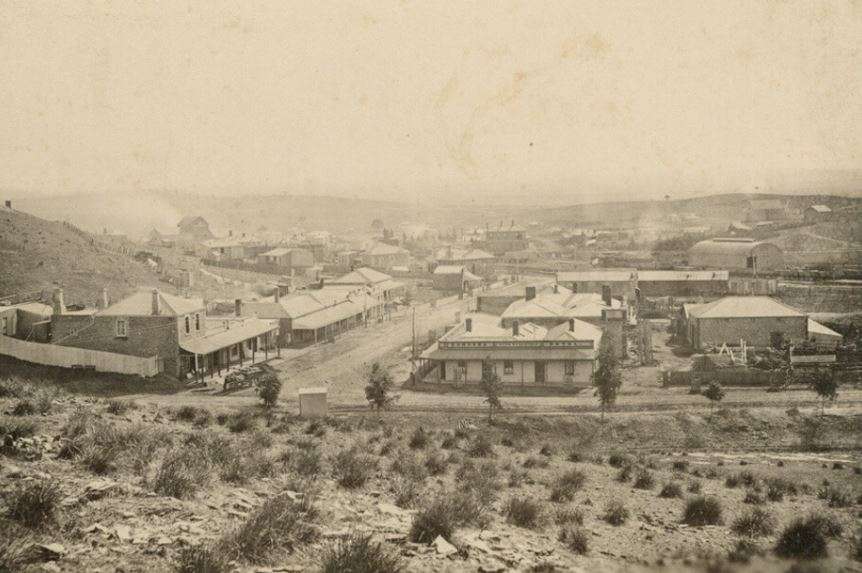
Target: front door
{"type": "Point", "coordinates": [540, 372]}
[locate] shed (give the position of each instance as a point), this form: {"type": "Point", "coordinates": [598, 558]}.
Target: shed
{"type": "Point", "coordinates": [312, 402]}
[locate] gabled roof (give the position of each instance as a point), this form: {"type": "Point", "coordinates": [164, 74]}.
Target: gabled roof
{"type": "Point", "coordinates": [189, 220]}
{"type": "Point", "coordinates": [743, 307]}
{"type": "Point", "coordinates": [218, 338]}
{"type": "Point", "coordinates": [487, 327]}
{"type": "Point", "coordinates": [821, 208]}
{"type": "Point", "coordinates": [363, 276]}
{"type": "Point", "coordinates": [140, 304]}
{"type": "Point", "coordinates": [815, 327]}
{"type": "Point", "coordinates": [535, 309]}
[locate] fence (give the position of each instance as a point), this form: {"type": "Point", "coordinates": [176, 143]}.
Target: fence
{"type": "Point", "coordinates": [69, 357]}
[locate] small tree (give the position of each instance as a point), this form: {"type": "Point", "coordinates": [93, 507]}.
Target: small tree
{"type": "Point", "coordinates": [491, 387]}
{"type": "Point", "coordinates": [379, 387]}
{"type": "Point", "coordinates": [607, 378]}
{"type": "Point", "coordinates": [824, 383]}
{"type": "Point", "coordinates": [268, 388]}
{"type": "Point", "coordinates": [714, 392]}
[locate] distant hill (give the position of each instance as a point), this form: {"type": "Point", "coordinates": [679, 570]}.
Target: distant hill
{"type": "Point", "coordinates": [36, 254]}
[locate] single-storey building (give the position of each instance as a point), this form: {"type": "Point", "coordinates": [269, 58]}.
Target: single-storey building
{"type": "Point", "coordinates": [291, 260]}
{"type": "Point", "coordinates": [27, 321]}
{"type": "Point", "coordinates": [766, 210]}
{"type": "Point", "coordinates": [759, 320]}
{"type": "Point", "coordinates": [476, 261]}
{"type": "Point", "coordinates": [622, 282]}
{"type": "Point", "coordinates": [383, 257]}
{"type": "Point", "coordinates": [736, 254]}
{"type": "Point", "coordinates": [522, 355]}
{"type": "Point", "coordinates": [683, 283]}
{"type": "Point", "coordinates": [371, 278]}
{"type": "Point", "coordinates": [817, 214]}
{"type": "Point", "coordinates": [454, 278]}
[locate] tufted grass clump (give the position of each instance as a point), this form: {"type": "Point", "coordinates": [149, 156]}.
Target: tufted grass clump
{"type": "Point", "coordinates": [756, 523]}
{"type": "Point", "coordinates": [616, 513]}
{"type": "Point", "coordinates": [567, 485]}
{"type": "Point", "coordinates": [671, 490]}
{"type": "Point", "coordinates": [33, 504]}
{"type": "Point", "coordinates": [358, 553]}
{"type": "Point", "coordinates": [702, 510]}
{"type": "Point", "coordinates": [523, 512]}
{"type": "Point", "coordinates": [575, 539]}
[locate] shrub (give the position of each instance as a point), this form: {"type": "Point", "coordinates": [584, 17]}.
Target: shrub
{"type": "Point", "coordinates": [280, 524]}
{"type": "Point", "coordinates": [644, 479]}
{"type": "Point", "coordinates": [625, 473]}
{"type": "Point", "coordinates": [241, 422]}
{"type": "Point", "coordinates": [449, 442]}
{"type": "Point", "coordinates": [575, 539]}
{"type": "Point", "coordinates": [702, 510]}
{"type": "Point", "coordinates": [16, 428]}
{"type": "Point", "coordinates": [359, 554]}
{"type": "Point", "coordinates": [305, 461]}
{"type": "Point", "coordinates": [352, 468]}
{"type": "Point", "coordinates": [743, 551]}
{"type": "Point", "coordinates": [480, 447]}
{"type": "Point", "coordinates": [830, 526]}
{"type": "Point", "coordinates": [752, 498]}
{"type": "Point", "coordinates": [694, 486]}
{"type": "Point", "coordinates": [419, 439]}
{"type": "Point", "coordinates": [181, 473]}
{"type": "Point", "coordinates": [671, 489]}
{"type": "Point", "coordinates": [478, 491]}
{"type": "Point", "coordinates": [523, 512]}
{"type": "Point", "coordinates": [566, 485]}
{"type": "Point", "coordinates": [575, 455]}
{"type": "Point", "coordinates": [777, 488]}
{"type": "Point", "coordinates": [24, 408]}
{"type": "Point", "coordinates": [378, 391]}
{"type": "Point", "coordinates": [569, 515]}
{"type": "Point", "coordinates": [33, 503]}
{"type": "Point", "coordinates": [835, 496]}
{"type": "Point", "coordinates": [16, 545]}
{"type": "Point", "coordinates": [436, 518]}
{"type": "Point", "coordinates": [546, 450]}
{"type": "Point", "coordinates": [517, 477]}
{"type": "Point", "coordinates": [803, 538]}
{"type": "Point", "coordinates": [436, 463]}
{"type": "Point", "coordinates": [268, 388]}
{"type": "Point", "coordinates": [406, 492]}
{"type": "Point", "coordinates": [97, 458]}
{"type": "Point", "coordinates": [120, 407]}
{"type": "Point", "coordinates": [202, 560]}
{"type": "Point", "coordinates": [616, 513]}
{"type": "Point", "coordinates": [755, 523]}
{"type": "Point", "coordinates": [535, 462]}
{"type": "Point", "coordinates": [618, 460]}
{"type": "Point", "coordinates": [316, 428]}
{"type": "Point", "coordinates": [680, 465]}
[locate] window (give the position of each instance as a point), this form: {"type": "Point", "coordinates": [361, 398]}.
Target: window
{"type": "Point", "coordinates": [462, 364]}
{"type": "Point", "coordinates": [3, 323]}
{"type": "Point", "coordinates": [508, 367]}
{"type": "Point", "coordinates": [570, 367]}
{"type": "Point", "coordinates": [122, 327]}
{"type": "Point", "coordinates": [197, 321]}
{"type": "Point", "coordinates": [188, 325]}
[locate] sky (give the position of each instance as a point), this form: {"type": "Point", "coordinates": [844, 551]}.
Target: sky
{"type": "Point", "coordinates": [501, 100]}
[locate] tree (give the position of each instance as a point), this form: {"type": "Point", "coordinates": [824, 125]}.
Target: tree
{"type": "Point", "coordinates": [379, 387]}
{"type": "Point", "coordinates": [714, 392]}
{"type": "Point", "coordinates": [268, 388]}
{"type": "Point", "coordinates": [607, 378]}
{"type": "Point", "coordinates": [491, 387]}
{"type": "Point", "coordinates": [824, 383]}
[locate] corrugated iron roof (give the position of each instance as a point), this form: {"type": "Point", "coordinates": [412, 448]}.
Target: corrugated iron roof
{"type": "Point", "coordinates": [364, 276]}
{"type": "Point", "coordinates": [742, 307]}
{"type": "Point", "coordinates": [140, 304]}
{"type": "Point", "coordinates": [238, 332]}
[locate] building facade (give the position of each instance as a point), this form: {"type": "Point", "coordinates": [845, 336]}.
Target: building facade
{"type": "Point", "coordinates": [736, 254]}
{"type": "Point", "coordinates": [758, 320]}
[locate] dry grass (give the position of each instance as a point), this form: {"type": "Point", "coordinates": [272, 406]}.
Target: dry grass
{"type": "Point", "coordinates": [33, 504]}
{"type": "Point", "coordinates": [575, 539]}
{"type": "Point", "coordinates": [702, 510]}
{"type": "Point", "coordinates": [523, 512]}
{"type": "Point", "coordinates": [360, 554]}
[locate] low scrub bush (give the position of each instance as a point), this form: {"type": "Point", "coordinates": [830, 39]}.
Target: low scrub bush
{"type": "Point", "coordinates": [618, 460]}
{"type": "Point", "coordinates": [567, 485]}
{"type": "Point", "coordinates": [16, 545]}
{"type": "Point", "coordinates": [241, 422]}
{"type": "Point", "coordinates": [576, 455]}
{"type": "Point", "coordinates": [694, 486]}
{"type": "Point", "coordinates": [449, 442]}
{"type": "Point", "coordinates": [419, 439]}
{"type": "Point", "coordinates": [406, 492]}
{"type": "Point", "coordinates": [575, 539]}
{"type": "Point", "coordinates": [644, 479]}
{"type": "Point", "coordinates": [360, 554]}
{"type": "Point", "coordinates": [202, 560]}
{"type": "Point", "coordinates": [680, 465]}
{"type": "Point", "coordinates": [523, 512]}
{"type": "Point", "coordinates": [616, 513]}
{"type": "Point", "coordinates": [829, 524]}
{"type": "Point", "coordinates": [16, 428]}
{"type": "Point", "coordinates": [34, 503]}
{"type": "Point", "coordinates": [755, 523]}
{"type": "Point", "coordinates": [546, 450]}
{"type": "Point", "coordinates": [24, 407]}
{"type": "Point", "coordinates": [279, 525]}
{"type": "Point", "coordinates": [316, 428]}
{"type": "Point", "coordinates": [436, 518]}
{"type": "Point", "coordinates": [351, 468]}
{"type": "Point", "coordinates": [625, 473]}
{"type": "Point", "coordinates": [835, 496]}
{"type": "Point", "coordinates": [517, 477]}
{"type": "Point", "coordinates": [305, 461]}
{"type": "Point", "coordinates": [536, 462]}
{"type": "Point", "coordinates": [98, 459]}
{"type": "Point", "coordinates": [480, 447]}
{"type": "Point", "coordinates": [407, 465]}
{"type": "Point", "coordinates": [777, 488]}
{"type": "Point", "coordinates": [752, 498]}
{"type": "Point", "coordinates": [120, 407]}
{"type": "Point", "coordinates": [181, 473]}
{"type": "Point", "coordinates": [803, 538]}
{"type": "Point", "coordinates": [702, 510]}
{"type": "Point", "coordinates": [671, 490]}
{"type": "Point", "coordinates": [743, 551]}
{"type": "Point", "coordinates": [569, 516]}
{"type": "Point", "coordinates": [436, 463]}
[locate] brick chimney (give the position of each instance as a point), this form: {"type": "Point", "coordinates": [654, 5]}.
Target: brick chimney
{"type": "Point", "coordinates": [156, 303]}
{"type": "Point", "coordinates": [237, 305]}
{"type": "Point", "coordinates": [277, 293]}
{"type": "Point", "coordinates": [58, 303]}
{"type": "Point", "coordinates": [515, 328]}
{"type": "Point", "coordinates": [571, 325]}
{"type": "Point", "coordinates": [103, 298]}
{"type": "Point", "coordinates": [531, 292]}
{"type": "Point", "coordinates": [606, 295]}
{"type": "Point", "coordinates": [468, 325]}
{"type": "Point", "coordinates": [8, 204]}
{"type": "Point", "coordinates": [556, 288]}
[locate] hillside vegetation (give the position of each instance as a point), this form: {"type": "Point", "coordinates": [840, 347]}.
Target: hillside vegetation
{"type": "Point", "coordinates": [36, 254]}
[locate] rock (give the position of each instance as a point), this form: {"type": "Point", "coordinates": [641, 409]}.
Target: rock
{"type": "Point", "coordinates": [70, 501]}
{"type": "Point", "coordinates": [123, 532]}
{"type": "Point", "coordinates": [97, 489]}
{"type": "Point", "coordinates": [162, 540]}
{"type": "Point", "coordinates": [491, 567]}
{"type": "Point", "coordinates": [50, 551]}
{"type": "Point", "coordinates": [390, 509]}
{"type": "Point", "coordinates": [443, 547]}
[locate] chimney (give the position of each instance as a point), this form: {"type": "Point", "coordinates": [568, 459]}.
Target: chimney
{"type": "Point", "coordinates": [156, 305]}
{"type": "Point", "coordinates": [468, 324]}
{"type": "Point", "coordinates": [103, 299]}
{"type": "Point", "coordinates": [230, 233]}
{"type": "Point", "coordinates": [571, 325]}
{"type": "Point", "coordinates": [531, 292]}
{"type": "Point", "coordinates": [606, 295]}
{"type": "Point", "coordinates": [237, 304]}
{"type": "Point", "coordinates": [515, 329]}
{"type": "Point", "coordinates": [58, 303]}
{"type": "Point", "coordinates": [277, 293]}
{"type": "Point", "coordinates": [321, 283]}
{"type": "Point", "coordinates": [8, 204]}
{"type": "Point", "coordinates": [556, 288]}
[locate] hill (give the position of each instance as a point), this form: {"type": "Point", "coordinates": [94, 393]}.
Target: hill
{"type": "Point", "coordinates": [36, 254]}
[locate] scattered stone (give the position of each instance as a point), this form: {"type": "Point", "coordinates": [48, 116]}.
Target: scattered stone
{"type": "Point", "coordinates": [443, 547]}
{"type": "Point", "coordinates": [49, 551]}
{"type": "Point", "coordinates": [123, 532]}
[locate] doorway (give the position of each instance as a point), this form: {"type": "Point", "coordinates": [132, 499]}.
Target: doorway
{"type": "Point", "coordinates": [540, 372]}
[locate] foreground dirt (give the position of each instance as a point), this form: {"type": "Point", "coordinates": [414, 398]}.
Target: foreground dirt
{"type": "Point", "coordinates": [117, 521]}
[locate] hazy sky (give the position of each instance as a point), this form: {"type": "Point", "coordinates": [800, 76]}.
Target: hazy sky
{"type": "Point", "coordinates": [568, 100]}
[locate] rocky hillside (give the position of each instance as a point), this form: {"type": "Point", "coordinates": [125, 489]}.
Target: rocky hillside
{"type": "Point", "coordinates": [36, 254]}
